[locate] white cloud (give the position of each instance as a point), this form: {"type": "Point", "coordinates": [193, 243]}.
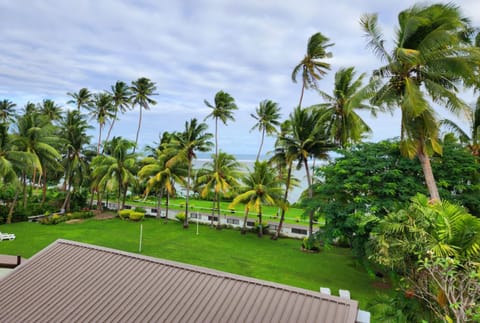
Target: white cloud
{"type": "Point", "coordinates": [191, 49]}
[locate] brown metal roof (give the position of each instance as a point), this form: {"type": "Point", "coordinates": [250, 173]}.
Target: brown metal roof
{"type": "Point", "coordinates": [75, 282]}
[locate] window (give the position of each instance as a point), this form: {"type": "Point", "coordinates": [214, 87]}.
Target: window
{"type": "Point", "coordinates": [233, 221]}
{"type": "Point", "coordinates": [299, 231]}
{"type": "Point", "coordinates": [215, 218]}
{"type": "Point", "coordinates": [250, 223]}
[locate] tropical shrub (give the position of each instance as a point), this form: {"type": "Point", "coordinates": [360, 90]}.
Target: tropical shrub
{"type": "Point", "coordinates": [140, 209]}
{"type": "Point", "coordinates": [136, 216]}
{"type": "Point", "coordinates": [59, 218]}
{"type": "Point", "coordinates": [124, 214]}
{"type": "Point", "coordinates": [180, 216]}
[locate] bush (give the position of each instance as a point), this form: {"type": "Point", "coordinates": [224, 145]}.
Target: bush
{"type": "Point", "coordinates": [265, 227]}
{"type": "Point", "coordinates": [180, 216]}
{"type": "Point", "coordinates": [124, 214]}
{"type": "Point", "coordinates": [59, 218]}
{"type": "Point", "coordinates": [140, 210]}
{"type": "Point", "coordinates": [311, 243]}
{"type": "Point", "coordinates": [136, 216]}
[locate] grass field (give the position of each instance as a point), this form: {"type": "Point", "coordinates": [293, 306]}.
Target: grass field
{"type": "Point", "coordinates": [279, 261]}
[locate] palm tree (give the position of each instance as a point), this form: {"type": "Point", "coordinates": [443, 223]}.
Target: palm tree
{"type": "Point", "coordinates": [161, 175]}
{"type": "Point", "coordinates": [472, 140]}
{"type": "Point", "coordinates": [223, 110]}
{"type": "Point", "coordinates": [11, 162]}
{"type": "Point", "coordinates": [142, 90]}
{"type": "Point", "coordinates": [219, 176]}
{"type": "Point", "coordinates": [73, 129]}
{"type": "Point", "coordinates": [308, 138]}
{"type": "Point", "coordinates": [185, 144]}
{"type": "Point", "coordinates": [34, 135]}
{"type": "Point", "coordinates": [267, 115]}
{"type": "Point", "coordinates": [260, 187]}
{"type": "Point", "coordinates": [50, 110]}
{"type": "Point", "coordinates": [431, 55]}
{"type": "Point", "coordinates": [82, 99]}
{"type": "Point", "coordinates": [117, 166]}
{"type": "Point", "coordinates": [121, 96]}
{"type": "Point", "coordinates": [7, 110]}
{"type": "Point", "coordinates": [101, 111]}
{"type": "Point", "coordinates": [346, 126]}
{"type": "Point", "coordinates": [312, 67]}
{"type": "Point", "coordinates": [283, 162]}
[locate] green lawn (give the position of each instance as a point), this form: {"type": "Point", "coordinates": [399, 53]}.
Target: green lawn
{"type": "Point", "coordinates": [279, 261]}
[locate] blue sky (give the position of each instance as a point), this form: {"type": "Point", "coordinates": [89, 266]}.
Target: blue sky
{"type": "Point", "coordinates": [191, 50]}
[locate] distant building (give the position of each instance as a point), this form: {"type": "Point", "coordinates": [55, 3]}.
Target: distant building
{"type": "Point", "coordinates": [75, 282]}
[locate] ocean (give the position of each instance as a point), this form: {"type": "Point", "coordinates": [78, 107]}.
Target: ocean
{"type": "Point", "coordinates": [247, 161]}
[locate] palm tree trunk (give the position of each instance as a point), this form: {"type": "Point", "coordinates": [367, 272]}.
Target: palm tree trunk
{"type": "Point", "coordinates": [213, 209]}
{"type": "Point", "coordinates": [138, 129]}
{"type": "Point", "coordinates": [167, 200]}
{"type": "Point", "coordinates": [301, 95]}
{"type": "Point", "coordinates": [99, 139]}
{"type": "Point", "coordinates": [99, 201]}
{"type": "Point", "coordinates": [285, 198]}
{"type": "Point", "coordinates": [185, 221]}
{"type": "Point", "coordinates": [244, 227]}
{"type": "Point", "coordinates": [44, 185]}
{"type": "Point", "coordinates": [24, 190]}
{"type": "Point", "coordinates": [119, 203]}
{"type": "Point", "coordinates": [261, 145]}
{"type": "Point", "coordinates": [428, 173]}
{"type": "Point", "coordinates": [310, 196]}
{"type": "Point", "coordinates": [218, 211]}
{"type": "Point", "coordinates": [124, 197]}
{"type": "Point", "coordinates": [12, 207]}
{"type": "Point", "coordinates": [159, 203]}
{"type": "Point", "coordinates": [260, 223]}
{"type": "Point", "coordinates": [66, 203]}
{"type": "Point", "coordinates": [92, 195]}
{"type": "Point", "coordinates": [111, 125]}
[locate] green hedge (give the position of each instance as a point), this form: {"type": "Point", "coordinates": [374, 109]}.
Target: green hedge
{"type": "Point", "coordinates": [56, 218]}
{"type": "Point", "coordinates": [132, 215]}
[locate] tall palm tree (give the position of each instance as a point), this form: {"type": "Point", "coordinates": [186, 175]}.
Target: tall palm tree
{"type": "Point", "coordinates": [73, 129]}
{"type": "Point", "coordinates": [50, 110]}
{"type": "Point", "coordinates": [11, 162]}
{"type": "Point", "coordinates": [312, 67]}
{"type": "Point", "coordinates": [283, 161]}
{"type": "Point", "coordinates": [101, 110]}
{"type": "Point", "coordinates": [117, 166]}
{"type": "Point", "coordinates": [82, 99]}
{"type": "Point", "coordinates": [261, 187]}
{"type": "Point", "coordinates": [267, 115]}
{"type": "Point", "coordinates": [161, 176]}
{"type": "Point", "coordinates": [430, 57]}
{"type": "Point", "coordinates": [308, 138]}
{"type": "Point", "coordinates": [346, 125]}
{"type": "Point", "coordinates": [142, 91]}
{"type": "Point", "coordinates": [219, 176]}
{"type": "Point", "coordinates": [223, 110]}
{"type": "Point", "coordinates": [185, 144]}
{"type": "Point", "coordinates": [34, 135]}
{"type": "Point", "coordinates": [121, 96]}
{"type": "Point", "coordinates": [7, 110]}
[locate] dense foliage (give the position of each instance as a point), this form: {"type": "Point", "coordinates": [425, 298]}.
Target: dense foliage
{"type": "Point", "coordinates": [373, 178]}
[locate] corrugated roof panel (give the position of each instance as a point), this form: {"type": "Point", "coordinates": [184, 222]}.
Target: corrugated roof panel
{"type": "Point", "coordinates": [76, 282]}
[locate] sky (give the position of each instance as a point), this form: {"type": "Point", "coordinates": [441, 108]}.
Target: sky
{"type": "Point", "coordinates": [191, 49]}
